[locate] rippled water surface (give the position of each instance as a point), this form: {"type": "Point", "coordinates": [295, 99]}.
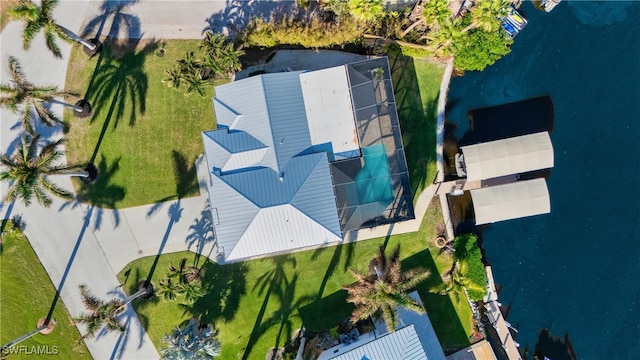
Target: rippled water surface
{"type": "Point", "coordinates": [577, 269]}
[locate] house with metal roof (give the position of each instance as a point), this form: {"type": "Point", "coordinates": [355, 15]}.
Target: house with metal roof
{"type": "Point", "coordinates": [414, 339]}
{"type": "Point", "coordinates": [299, 158]}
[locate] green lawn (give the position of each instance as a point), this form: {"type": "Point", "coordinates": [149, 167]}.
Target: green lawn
{"type": "Point", "coordinates": [26, 295]}
{"type": "Point", "coordinates": [416, 84]}
{"type": "Point", "coordinates": [258, 304]}
{"type": "Point", "coordinates": [144, 136]}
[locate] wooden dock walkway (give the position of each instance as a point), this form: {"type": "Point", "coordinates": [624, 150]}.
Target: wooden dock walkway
{"type": "Point", "coordinates": [455, 187]}
{"type": "Point", "coordinates": [498, 321]}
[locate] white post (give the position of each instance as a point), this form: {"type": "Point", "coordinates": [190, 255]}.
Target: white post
{"type": "Point", "coordinates": [77, 38]}
{"type": "Point", "coordinates": [74, 107]}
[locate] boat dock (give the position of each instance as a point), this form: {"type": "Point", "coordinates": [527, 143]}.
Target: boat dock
{"type": "Point", "coordinates": [492, 307]}
{"type": "Point", "coordinates": [457, 187]}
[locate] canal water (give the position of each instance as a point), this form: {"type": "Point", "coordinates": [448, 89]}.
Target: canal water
{"type": "Point", "coordinates": [577, 269]}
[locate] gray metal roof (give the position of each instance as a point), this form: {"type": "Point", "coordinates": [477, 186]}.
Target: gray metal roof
{"type": "Point", "coordinates": [403, 344]}
{"type": "Point", "coordinates": [510, 201]}
{"type": "Point", "coordinates": [413, 339]}
{"type": "Point", "coordinates": [270, 108]}
{"type": "Point", "coordinates": [271, 186]}
{"type": "Point", "coordinates": [508, 156]}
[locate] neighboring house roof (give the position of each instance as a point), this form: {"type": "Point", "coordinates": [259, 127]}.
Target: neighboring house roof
{"type": "Point", "coordinates": [413, 339]}
{"type": "Point", "coordinates": [508, 156]}
{"type": "Point", "coordinates": [477, 351]}
{"type": "Point", "coordinates": [510, 201]}
{"type": "Point", "coordinates": [403, 344]}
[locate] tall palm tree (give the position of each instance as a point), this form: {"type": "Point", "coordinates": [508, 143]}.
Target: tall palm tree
{"type": "Point", "coordinates": [443, 39]}
{"type": "Point", "coordinates": [366, 10]}
{"type": "Point", "coordinates": [38, 18]}
{"type": "Point", "coordinates": [486, 15]}
{"type": "Point", "coordinates": [100, 313]}
{"type": "Point", "coordinates": [28, 170]}
{"type": "Point", "coordinates": [384, 288]}
{"type": "Point", "coordinates": [22, 92]}
{"type": "Point", "coordinates": [104, 313]}
{"type": "Point", "coordinates": [434, 14]}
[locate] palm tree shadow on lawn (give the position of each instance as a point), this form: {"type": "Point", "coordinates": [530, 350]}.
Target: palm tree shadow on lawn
{"type": "Point", "coordinates": [272, 282]}
{"type": "Point", "coordinates": [324, 313]}
{"type": "Point", "coordinates": [119, 87]}
{"type": "Point", "coordinates": [102, 194]}
{"type": "Point", "coordinates": [187, 183]}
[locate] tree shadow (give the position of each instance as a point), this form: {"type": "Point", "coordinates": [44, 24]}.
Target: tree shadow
{"type": "Point", "coordinates": [237, 15]}
{"type": "Point", "coordinates": [120, 89]}
{"type": "Point", "coordinates": [201, 233]}
{"type": "Point", "coordinates": [129, 315]}
{"type": "Point", "coordinates": [417, 121]}
{"type": "Point", "coordinates": [224, 286]}
{"type": "Point", "coordinates": [121, 23]}
{"type": "Point", "coordinates": [185, 174]}
{"type": "Point", "coordinates": [440, 308]}
{"type": "Point", "coordinates": [274, 280]}
{"type": "Point", "coordinates": [175, 213]}
{"type": "Point", "coordinates": [103, 195]}
{"type": "Point", "coordinates": [72, 257]}
{"type": "Point", "coordinates": [289, 304]}
{"type": "Point", "coordinates": [186, 181]}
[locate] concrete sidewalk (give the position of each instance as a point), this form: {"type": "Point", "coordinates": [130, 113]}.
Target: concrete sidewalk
{"type": "Point", "coordinates": [61, 235]}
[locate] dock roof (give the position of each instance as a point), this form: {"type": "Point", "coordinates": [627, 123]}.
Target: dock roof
{"type": "Point", "coordinates": [511, 201]}
{"type": "Point", "coordinates": [508, 156]}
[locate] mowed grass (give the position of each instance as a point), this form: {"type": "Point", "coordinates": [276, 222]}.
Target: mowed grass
{"type": "Point", "coordinates": [143, 136]}
{"type": "Point", "coordinates": [26, 295]}
{"type": "Point", "coordinates": [259, 304]}
{"type": "Point", "coordinates": [416, 84]}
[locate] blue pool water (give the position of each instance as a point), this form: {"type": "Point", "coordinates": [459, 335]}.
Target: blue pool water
{"type": "Point", "coordinates": [577, 269]}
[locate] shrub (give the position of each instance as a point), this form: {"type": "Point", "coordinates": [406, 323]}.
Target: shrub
{"type": "Point", "coordinates": [467, 249]}
{"type": "Point", "coordinates": [309, 34]}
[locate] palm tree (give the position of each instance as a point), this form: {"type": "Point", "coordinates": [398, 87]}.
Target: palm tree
{"type": "Point", "coordinates": [174, 78]}
{"type": "Point", "coordinates": [22, 92]}
{"type": "Point", "coordinates": [28, 170]}
{"type": "Point", "coordinates": [366, 10]}
{"type": "Point", "coordinates": [458, 282]}
{"type": "Point", "coordinates": [486, 15]}
{"type": "Point", "coordinates": [434, 14]}
{"type": "Point", "coordinates": [182, 280]}
{"type": "Point", "coordinates": [219, 55]}
{"type": "Point", "coordinates": [384, 288]}
{"type": "Point", "coordinates": [443, 39]}
{"type": "Point", "coordinates": [104, 313]}
{"type": "Point", "coordinates": [196, 342]}
{"type": "Point", "coordinates": [38, 18]}
{"type": "Point", "coordinates": [100, 313]}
